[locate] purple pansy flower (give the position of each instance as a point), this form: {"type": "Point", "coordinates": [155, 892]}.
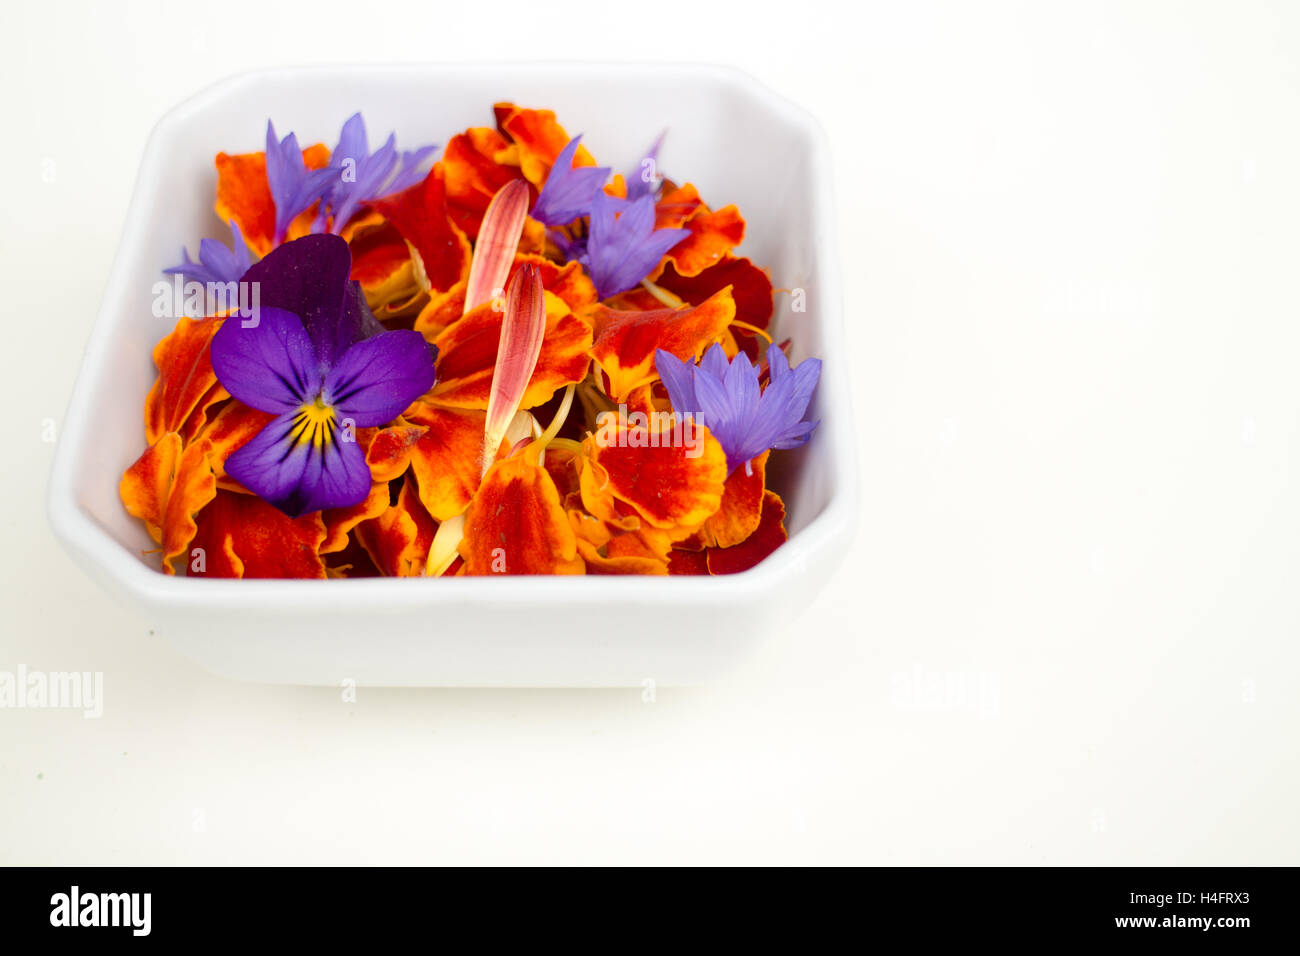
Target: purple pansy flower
{"type": "Point", "coordinates": [318, 359]}
{"type": "Point", "coordinates": [637, 183]}
{"type": "Point", "coordinates": [623, 244]}
{"type": "Point", "coordinates": [360, 175]}
{"type": "Point", "coordinates": [726, 399]}
{"type": "Point", "coordinates": [216, 262]}
{"type": "Point", "coordinates": [568, 190]}
{"type": "Point", "coordinates": [294, 187]}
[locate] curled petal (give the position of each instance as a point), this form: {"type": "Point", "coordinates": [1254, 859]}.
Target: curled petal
{"type": "Point", "coordinates": [498, 238]}
{"type": "Point", "coordinates": [398, 540]}
{"type": "Point", "coordinates": [522, 328]}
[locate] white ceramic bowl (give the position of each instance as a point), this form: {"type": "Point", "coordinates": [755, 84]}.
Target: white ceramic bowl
{"type": "Point", "coordinates": [733, 138]}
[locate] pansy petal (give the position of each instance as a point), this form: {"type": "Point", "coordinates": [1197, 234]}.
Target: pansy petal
{"type": "Point", "coordinates": [269, 364]}
{"type": "Point", "coordinates": [378, 377]}
{"type": "Point", "coordinates": [299, 468]}
{"type": "Point", "coordinates": [625, 342]}
{"type": "Point", "coordinates": [516, 525]}
{"type": "Point", "coordinates": [231, 429]}
{"type": "Point", "coordinates": [309, 277]}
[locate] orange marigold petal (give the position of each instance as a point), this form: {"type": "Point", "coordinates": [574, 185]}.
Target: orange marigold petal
{"type": "Point", "coordinates": [244, 196]}
{"type": "Point", "coordinates": [232, 428]}
{"type": "Point", "coordinates": [389, 451]}
{"type": "Point", "coordinates": [516, 525]}
{"type": "Point", "coordinates": [673, 485]}
{"type": "Point", "coordinates": [398, 540]}
{"type": "Point", "coordinates": [421, 215]}
{"type": "Point", "coordinates": [625, 342]}
{"type": "Point", "coordinates": [186, 384]}
{"type": "Point", "coordinates": [750, 287]}
{"type": "Point", "coordinates": [339, 522]}
{"type": "Point", "coordinates": [467, 353]}
{"type": "Point", "coordinates": [244, 536]}
{"type": "Point", "coordinates": [381, 262]}
{"type": "Point", "coordinates": [447, 459]}
{"type": "Point", "coordinates": [769, 536]}
{"type": "Point", "coordinates": [742, 507]}
{"type": "Point", "coordinates": [147, 483]}
{"type": "Point", "coordinates": [473, 175]}
{"type": "Point", "coordinates": [539, 138]}
{"type": "Point", "coordinates": [713, 236]}
{"type": "Point", "coordinates": [192, 489]}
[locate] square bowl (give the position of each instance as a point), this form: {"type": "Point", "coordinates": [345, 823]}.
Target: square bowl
{"type": "Point", "coordinates": [736, 141]}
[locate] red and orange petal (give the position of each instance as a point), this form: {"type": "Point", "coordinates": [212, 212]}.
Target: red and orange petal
{"type": "Point", "coordinates": [625, 342]}
{"type": "Point", "coordinates": [539, 139]}
{"type": "Point", "coordinates": [186, 385]}
{"type": "Point", "coordinates": [769, 536]}
{"type": "Point", "coordinates": [381, 262]}
{"type": "Point", "coordinates": [568, 281]}
{"type": "Point", "coordinates": [447, 459]}
{"type": "Point", "coordinates": [673, 485]}
{"type": "Point", "coordinates": [193, 487]}
{"type": "Point", "coordinates": [712, 236]}
{"type": "Point", "coordinates": [244, 196]}
{"type": "Point", "coordinates": [676, 204]}
{"type": "Point", "coordinates": [388, 453]}
{"type": "Point", "coordinates": [467, 352]}
{"type": "Point", "coordinates": [739, 513]}
{"type": "Point", "coordinates": [750, 287]}
{"type": "Point", "coordinates": [231, 428]}
{"type": "Point", "coordinates": [421, 215]}
{"type": "Point", "coordinates": [147, 483]}
{"type": "Point", "coordinates": [516, 525]}
{"type": "Point", "coordinates": [398, 540]}
{"type": "Point", "coordinates": [473, 175]}
{"type": "Point", "coordinates": [621, 554]}
{"type": "Point", "coordinates": [166, 487]}
{"type": "Point", "coordinates": [339, 522]}
{"type": "Point", "coordinates": [243, 536]}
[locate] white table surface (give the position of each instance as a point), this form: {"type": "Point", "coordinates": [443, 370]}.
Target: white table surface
{"type": "Point", "coordinates": [1069, 630]}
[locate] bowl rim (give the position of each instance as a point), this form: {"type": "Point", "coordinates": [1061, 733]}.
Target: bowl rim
{"type": "Point", "coordinates": [829, 533]}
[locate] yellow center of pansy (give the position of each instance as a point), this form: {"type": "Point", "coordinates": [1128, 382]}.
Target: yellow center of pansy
{"type": "Point", "coordinates": [314, 424]}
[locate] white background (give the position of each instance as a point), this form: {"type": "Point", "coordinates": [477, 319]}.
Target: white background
{"type": "Point", "coordinates": [1068, 630]}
